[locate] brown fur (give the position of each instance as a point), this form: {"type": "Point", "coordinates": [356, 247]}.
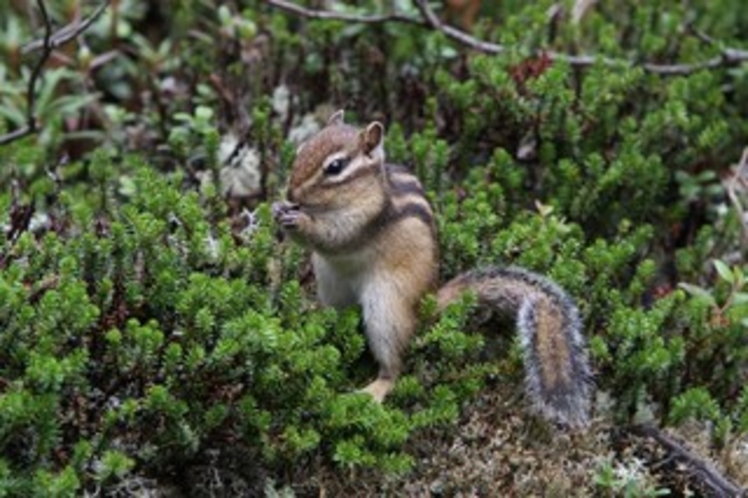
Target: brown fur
{"type": "Point", "coordinates": [329, 140]}
{"type": "Point", "coordinates": [551, 345]}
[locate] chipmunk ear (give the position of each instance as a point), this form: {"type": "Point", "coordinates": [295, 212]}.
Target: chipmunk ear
{"type": "Point", "coordinates": [336, 119]}
{"type": "Point", "coordinates": [372, 139]}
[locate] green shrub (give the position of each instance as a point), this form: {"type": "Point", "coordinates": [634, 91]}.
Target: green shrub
{"type": "Point", "coordinates": [137, 344]}
{"type": "Point", "coordinates": [145, 319]}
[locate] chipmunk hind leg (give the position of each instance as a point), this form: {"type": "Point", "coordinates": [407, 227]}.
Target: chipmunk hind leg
{"type": "Point", "coordinates": [452, 290]}
{"type": "Point", "coordinates": [389, 324]}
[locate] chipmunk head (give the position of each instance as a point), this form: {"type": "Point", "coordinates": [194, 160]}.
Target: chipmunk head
{"type": "Point", "coordinates": [338, 166]}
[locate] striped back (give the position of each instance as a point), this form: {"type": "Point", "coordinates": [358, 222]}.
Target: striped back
{"type": "Point", "coordinates": [408, 199]}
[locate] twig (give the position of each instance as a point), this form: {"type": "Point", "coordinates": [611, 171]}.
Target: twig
{"type": "Point", "coordinates": [17, 133]}
{"type": "Point", "coordinates": [456, 34]}
{"type": "Point", "coordinates": [69, 32]}
{"type": "Point", "coordinates": [339, 16]}
{"type": "Point", "coordinates": [430, 20]}
{"type": "Point", "coordinates": [31, 123]}
{"type": "Point", "coordinates": [47, 45]}
{"type": "Point", "coordinates": [701, 470]}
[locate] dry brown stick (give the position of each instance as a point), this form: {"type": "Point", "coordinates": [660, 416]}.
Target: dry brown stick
{"type": "Point", "coordinates": [429, 20]}
{"type": "Point", "coordinates": [705, 472]}
{"type": "Point", "coordinates": [46, 45]}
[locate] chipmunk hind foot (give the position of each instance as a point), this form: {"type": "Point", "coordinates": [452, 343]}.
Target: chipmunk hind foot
{"type": "Point", "coordinates": [379, 389]}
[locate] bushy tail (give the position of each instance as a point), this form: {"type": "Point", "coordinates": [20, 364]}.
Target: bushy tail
{"type": "Point", "coordinates": [558, 376]}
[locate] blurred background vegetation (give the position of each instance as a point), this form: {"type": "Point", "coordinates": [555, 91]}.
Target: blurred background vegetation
{"type": "Point", "coordinates": [158, 336]}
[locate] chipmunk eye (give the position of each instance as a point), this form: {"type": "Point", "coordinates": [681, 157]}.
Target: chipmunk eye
{"type": "Point", "coordinates": [336, 166]}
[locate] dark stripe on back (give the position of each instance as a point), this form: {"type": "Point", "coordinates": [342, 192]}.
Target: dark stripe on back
{"type": "Point", "coordinates": [402, 188]}
{"type": "Point", "coordinates": [388, 218]}
{"type": "Point", "coordinates": [415, 210]}
{"type": "Point", "coordinates": [397, 168]}
{"type": "Point", "coordinates": [402, 181]}
{"type": "Point", "coordinates": [391, 215]}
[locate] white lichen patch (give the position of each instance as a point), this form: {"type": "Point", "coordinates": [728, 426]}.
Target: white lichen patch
{"type": "Point", "coordinates": [241, 171]}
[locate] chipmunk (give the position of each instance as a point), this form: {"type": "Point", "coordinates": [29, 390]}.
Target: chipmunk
{"type": "Point", "coordinates": [372, 234]}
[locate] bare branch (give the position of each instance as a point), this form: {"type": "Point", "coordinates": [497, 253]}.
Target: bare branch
{"type": "Point", "coordinates": [36, 73]}
{"type": "Point", "coordinates": [69, 32]}
{"type": "Point", "coordinates": [699, 469]}
{"type": "Point", "coordinates": [31, 124]}
{"type": "Point", "coordinates": [728, 56]}
{"type": "Point", "coordinates": [456, 34]}
{"type": "Point", "coordinates": [17, 134]}
{"type": "Point", "coordinates": [339, 16]}
{"type": "Point", "coordinates": [47, 45]}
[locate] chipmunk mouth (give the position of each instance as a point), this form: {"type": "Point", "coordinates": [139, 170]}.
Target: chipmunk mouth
{"type": "Point", "coordinates": [280, 207]}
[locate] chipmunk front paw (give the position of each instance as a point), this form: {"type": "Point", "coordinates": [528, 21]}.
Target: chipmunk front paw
{"type": "Point", "coordinates": [287, 215]}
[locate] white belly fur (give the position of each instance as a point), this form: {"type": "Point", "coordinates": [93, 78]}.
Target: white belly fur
{"type": "Point", "coordinates": [341, 279]}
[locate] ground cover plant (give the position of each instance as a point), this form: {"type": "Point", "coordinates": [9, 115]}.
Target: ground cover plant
{"type": "Point", "coordinates": [158, 334]}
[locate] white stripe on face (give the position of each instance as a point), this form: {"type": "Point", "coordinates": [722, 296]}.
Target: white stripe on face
{"type": "Point", "coordinates": [339, 167]}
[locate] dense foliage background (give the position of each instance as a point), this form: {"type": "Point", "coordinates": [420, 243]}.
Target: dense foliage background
{"type": "Point", "coordinates": [157, 335]}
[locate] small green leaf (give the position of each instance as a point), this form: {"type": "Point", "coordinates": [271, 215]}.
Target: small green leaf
{"type": "Point", "coordinates": [739, 277]}
{"type": "Point", "coordinates": [698, 293]}
{"type": "Point", "coordinates": [724, 271]}
{"type": "Point", "coordinates": [740, 298]}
